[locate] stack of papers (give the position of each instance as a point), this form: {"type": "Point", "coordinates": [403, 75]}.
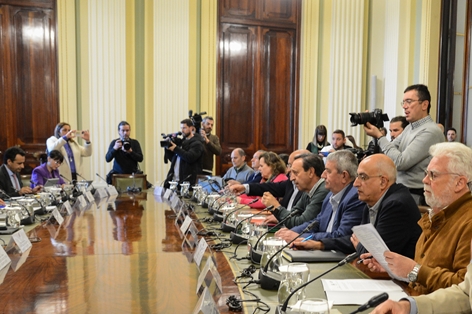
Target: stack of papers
{"type": "Point", "coordinates": [359, 291]}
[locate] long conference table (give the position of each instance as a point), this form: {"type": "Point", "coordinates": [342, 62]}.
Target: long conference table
{"type": "Point", "coordinates": [128, 258]}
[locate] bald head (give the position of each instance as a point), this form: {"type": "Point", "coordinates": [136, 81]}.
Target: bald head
{"type": "Point", "coordinates": [375, 175]}
{"type": "Point", "coordinates": [297, 153]}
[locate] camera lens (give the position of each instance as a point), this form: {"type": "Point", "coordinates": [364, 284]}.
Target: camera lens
{"type": "Point", "coordinates": [126, 145]}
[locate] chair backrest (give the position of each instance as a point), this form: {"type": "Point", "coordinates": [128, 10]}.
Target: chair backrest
{"type": "Point", "coordinates": [122, 181]}
{"type": "Point", "coordinates": [26, 179]}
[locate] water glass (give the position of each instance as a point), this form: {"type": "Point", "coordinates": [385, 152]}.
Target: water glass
{"type": "Point", "coordinates": [294, 275]}
{"type": "Point", "coordinates": [314, 306]}
{"type": "Point", "coordinates": [258, 230]}
{"type": "Point", "coordinates": [272, 245]}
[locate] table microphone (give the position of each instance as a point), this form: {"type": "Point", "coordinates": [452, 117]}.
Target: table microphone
{"type": "Point", "coordinates": [238, 238]}
{"type": "Point", "coordinates": [91, 184]}
{"type": "Point", "coordinates": [346, 260]}
{"type": "Point", "coordinates": [218, 217]}
{"type": "Point", "coordinates": [70, 181]}
{"type": "Point", "coordinates": [374, 301]}
{"type": "Point", "coordinates": [271, 281]}
{"type": "Point", "coordinates": [253, 252]}
{"type": "Point", "coordinates": [102, 179]}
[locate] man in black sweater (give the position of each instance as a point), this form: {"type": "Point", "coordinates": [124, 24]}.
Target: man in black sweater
{"type": "Point", "coordinates": [187, 158]}
{"type": "Point", "coordinates": [125, 151]}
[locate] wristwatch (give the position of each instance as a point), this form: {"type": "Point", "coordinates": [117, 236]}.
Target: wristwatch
{"type": "Point", "coordinates": [413, 274]}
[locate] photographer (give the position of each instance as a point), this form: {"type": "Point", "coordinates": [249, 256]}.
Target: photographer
{"type": "Point", "coordinates": [126, 152]}
{"type": "Point", "coordinates": [187, 157]}
{"type": "Point", "coordinates": [409, 151]}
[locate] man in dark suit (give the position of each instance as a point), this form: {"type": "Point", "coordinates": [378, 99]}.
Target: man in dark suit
{"type": "Point", "coordinates": [390, 208]}
{"type": "Point", "coordinates": [10, 181]}
{"type": "Point", "coordinates": [341, 209]}
{"type": "Point", "coordinates": [284, 189]}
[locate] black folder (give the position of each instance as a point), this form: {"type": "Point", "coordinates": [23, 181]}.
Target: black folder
{"type": "Point", "coordinates": [312, 256]}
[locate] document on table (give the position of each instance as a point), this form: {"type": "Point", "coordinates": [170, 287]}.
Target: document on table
{"type": "Point", "coordinates": [359, 291]}
{"type": "Point", "coordinates": [373, 242]}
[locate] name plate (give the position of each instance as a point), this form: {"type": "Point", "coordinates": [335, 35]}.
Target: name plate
{"type": "Point", "coordinates": [4, 258]}
{"type": "Point", "coordinates": [201, 248]}
{"type": "Point", "coordinates": [159, 190]}
{"type": "Point", "coordinates": [167, 194]}
{"type": "Point", "coordinates": [69, 209]}
{"type": "Point", "coordinates": [21, 241]}
{"type": "Point", "coordinates": [101, 193]}
{"type": "Point", "coordinates": [186, 224]}
{"type": "Point", "coordinates": [58, 216]}
{"type": "Point", "coordinates": [89, 196]}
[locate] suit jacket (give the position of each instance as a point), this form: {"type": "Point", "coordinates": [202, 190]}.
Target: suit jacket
{"type": "Point", "coordinates": [282, 189]}
{"type": "Point", "coordinates": [256, 177]}
{"type": "Point", "coordinates": [396, 222]}
{"type": "Point", "coordinates": [5, 182]}
{"type": "Point", "coordinates": [309, 207]}
{"type": "Point", "coordinates": [348, 215]}
{"type": "Point", "coordinates": [41, 174]}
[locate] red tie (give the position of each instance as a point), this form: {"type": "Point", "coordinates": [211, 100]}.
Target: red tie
{"type": "Point", "coordinates": [15, 179]}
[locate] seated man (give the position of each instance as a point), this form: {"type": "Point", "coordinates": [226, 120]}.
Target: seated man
{"type": "Point", "coordinates": [285, 189]}
{"type": "Point", "coordinates": [10, 181]}
{"type": "Point", "coordinates": [338, 142]}
{"type": "Point", "coordinates": [341, 209]}
{"type": "Point", "coordinates": [455, 299]}
{"type": "Point", "coordinates": [306, 174]}
{"type": "Point", "coordinates": [240, 170]}
{"type": "Point", "coordinates": [442, 252]}
{"type": "Point", "coordinates": [390, 209]}
{"type": "Point", "coordinates": [256, 177]}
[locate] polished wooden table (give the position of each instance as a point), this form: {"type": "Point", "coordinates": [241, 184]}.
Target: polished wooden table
{"type": "Point", "coordinates": [127, 260]}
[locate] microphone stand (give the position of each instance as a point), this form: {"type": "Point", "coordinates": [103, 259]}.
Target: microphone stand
{"type": "Point", "coordinates": [346, 260]}
{"type": "Point", "coordinates": [93, 188]}
{"type": "Point", "coordinates": [238, 238]}
{"type": "Point", "coordinates": [253, 252]}
{"type": "Point", "coordinates": [267, 280]}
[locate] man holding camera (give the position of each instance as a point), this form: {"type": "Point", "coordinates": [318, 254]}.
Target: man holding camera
{"type": "Point", "coordinates": [409, 151]}
{"type": "Point", "coordinates": [126, 152]}
{"type": "Point", "coordinates": [186, 158]}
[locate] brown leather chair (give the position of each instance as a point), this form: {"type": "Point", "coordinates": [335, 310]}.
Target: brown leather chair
{"type": "Point", "coordinates": [122, 181]}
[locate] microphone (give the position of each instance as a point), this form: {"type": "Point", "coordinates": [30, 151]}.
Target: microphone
{"type": "Point", "coordinates": [346, 260]}
{"type": "Point", "coordinates": [373, 302]}
{"type": "Point", "coordinates": [70, 181]}
{"type": "Point", "coordinates": [224, 226]}
{"type": "Point", "coordinates": [102, 179]}
{"type": "Point", "coordinates": [5, 194]}
{"type": "Point", "coordinates": [91, 184]}
{"type": "Point", "coordinates": [133, 189]}
{"type": "Point", "coordinates": [254, 253]}
{"type": "Point", "coordinates": [238, 238]}
{"type": "Point", "coordinates": [268, 281]}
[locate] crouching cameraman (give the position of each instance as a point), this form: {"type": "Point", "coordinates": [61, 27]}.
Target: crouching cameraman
{"type": "Point", "coordinates": [187, 157]}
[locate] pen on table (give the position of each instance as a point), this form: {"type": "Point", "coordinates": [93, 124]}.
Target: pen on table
{"type": "Point", "coordinates": [361, 260]}
{"type": "Point", "coordinates": [308, 238]}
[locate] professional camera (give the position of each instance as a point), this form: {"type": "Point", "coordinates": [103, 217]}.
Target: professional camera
{"type": "Point", "coordinates": [126, 144]}
{"type": "Point", "coordinates": [176, 138]}
{"type": "Point", "coordinates": [375, 117]}
{"type": "Point", "coordinates": [196, 120]}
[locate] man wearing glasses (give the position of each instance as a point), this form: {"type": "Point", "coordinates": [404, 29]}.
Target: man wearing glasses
{"type": "Point", "coordinates": [442, 251]}
{"type": "Point", "coordinates": [409, 151]}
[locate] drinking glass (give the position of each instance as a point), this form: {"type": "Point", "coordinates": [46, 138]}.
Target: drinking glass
{"type": "Point", "coordinates": [314, 306]}
{"type": "Point", "coordinates": [258, 230]}
{"type": "Point", "coordinates": [270, 246]}
{"type": "Point", "coordinates": [294, 275]}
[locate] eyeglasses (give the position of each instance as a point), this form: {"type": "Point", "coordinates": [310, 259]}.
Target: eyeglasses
{"type": "Point", "coordinates": [408, 102]}
{"type": "Point", "coordinates": [364, 177]}
{"type": "Point", "coordinates": [434, 174]}
{"type": "Point", "coordinates": [57, 162]}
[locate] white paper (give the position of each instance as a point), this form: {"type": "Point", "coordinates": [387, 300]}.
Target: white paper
{"type": "Point", "coordinates": [4, 258]}
{"type": "Point", "coordinates": [58, 216]}
{"type": "Point", "coordinates": [359, 291]}
{"type": "Point", "coordinates": [373, 242]}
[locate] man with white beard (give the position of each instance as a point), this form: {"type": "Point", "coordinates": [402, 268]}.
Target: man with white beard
{"type": "Point", "coordinates": [443, 248]}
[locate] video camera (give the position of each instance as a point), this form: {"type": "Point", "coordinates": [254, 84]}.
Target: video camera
{"type": "Point", "coordinates": [196, 119]}
{"type": "Point", "coordinates": [375, 117]}
{"type": "Point", "coordinates": [172, 137]}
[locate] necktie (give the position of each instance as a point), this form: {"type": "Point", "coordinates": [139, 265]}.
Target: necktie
{"type": "Point", "coordinates": [15, 179]}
